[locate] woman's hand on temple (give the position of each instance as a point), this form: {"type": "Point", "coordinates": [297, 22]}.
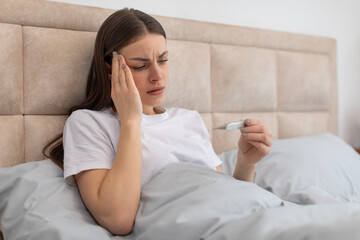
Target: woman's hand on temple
{"type": "Point", "coordinates": [255, 141]}
{"type": "Point", "coordinates": [124, 93]}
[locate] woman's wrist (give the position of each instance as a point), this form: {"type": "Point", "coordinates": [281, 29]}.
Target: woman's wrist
{"type": "Point", "coordinates": [130, 123]}
{"type": "Point", "coordinates": [244, 171]}
{"type": "Point", "coordinates": [244, 161]}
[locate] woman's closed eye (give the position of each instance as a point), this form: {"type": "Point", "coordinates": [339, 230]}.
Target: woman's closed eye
{"type": "Point", "coordinates": [163, 61]}
{"type": "Point", "coordinates": [139, 67]}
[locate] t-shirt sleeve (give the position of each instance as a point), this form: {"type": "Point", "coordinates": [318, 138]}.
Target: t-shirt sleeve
{"type": "Point", "coordinates": [214, 160]}
{"type": "Point", "coordinates": [86, 146]}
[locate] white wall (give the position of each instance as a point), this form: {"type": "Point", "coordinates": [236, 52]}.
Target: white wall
{"type": "Point", "coordinates": [338, 19]}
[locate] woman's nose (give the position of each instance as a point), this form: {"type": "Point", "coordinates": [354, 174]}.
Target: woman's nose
{"type": "Point", "coordinates": [156, 73]}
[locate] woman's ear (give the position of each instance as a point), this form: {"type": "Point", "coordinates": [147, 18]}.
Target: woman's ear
{"type": "Point", "coordinates": [108, 68]}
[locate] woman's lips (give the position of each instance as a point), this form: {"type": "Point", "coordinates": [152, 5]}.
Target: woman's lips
{"type": "Point", "coordinates": [156, 92]}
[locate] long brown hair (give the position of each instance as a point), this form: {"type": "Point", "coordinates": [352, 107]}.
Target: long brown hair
{"type": "Point", "coordinates": [118, 30]}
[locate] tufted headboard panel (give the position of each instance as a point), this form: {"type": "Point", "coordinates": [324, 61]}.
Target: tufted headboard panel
{"type": "Point", "coordinates": [225, 72]}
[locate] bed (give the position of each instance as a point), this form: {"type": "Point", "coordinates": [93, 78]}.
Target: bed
{"type": "Point", "coordinates": [307, 187]}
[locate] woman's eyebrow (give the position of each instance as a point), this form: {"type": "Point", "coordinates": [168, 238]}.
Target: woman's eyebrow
{"type": "Point", "coordinates": [163, 54]}
{"type": "Point", "coordinates": [148, 59]}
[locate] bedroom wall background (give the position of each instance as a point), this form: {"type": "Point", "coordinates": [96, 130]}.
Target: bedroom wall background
{"type": "Point", "coordinates": [338, 19]}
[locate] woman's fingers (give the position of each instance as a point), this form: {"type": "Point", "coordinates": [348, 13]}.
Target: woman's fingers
{"type": "Point", "coordinates": [127, 102]}
{"type": "Point", "coordinates": [263, 148]}
{"type": "Point", "coordinates": [260, 128]}
{"type": "Point", "coordinates": [118, 76]}
{"type": "Point", "coordinates": [255, 130]}
{"type": "Point", "coordinates": [127, 74]}
{"type": "Point", "coordinates": [255, 126]}
{"type": "Point", "coordinates": [122, 77]}
{"type": "Point", "coordinates": [251, 122]}
{"type": "Point", "coordinates": [115, 72]}
{"type": "Point", "coordinates": [258, 137]}
{"type": "Point", "coordinates": [129, 79]}
{"type": "Point", "coordinates": [255, 140]}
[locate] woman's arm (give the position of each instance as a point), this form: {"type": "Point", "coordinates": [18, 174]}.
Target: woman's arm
{"type": "Point", "coordinates": [244, 171]}
{"type": "Point", "coordinates": [254, 144]}
{"type": "Point", "coordinates": [112, 196]}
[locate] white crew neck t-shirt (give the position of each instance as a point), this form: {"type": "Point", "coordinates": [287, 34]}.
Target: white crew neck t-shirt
{"type": "Point", "coordinates": [90, 141]}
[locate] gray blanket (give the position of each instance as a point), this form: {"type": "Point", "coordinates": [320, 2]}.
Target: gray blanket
{"type": "Point", "coordinates": [183, 201]}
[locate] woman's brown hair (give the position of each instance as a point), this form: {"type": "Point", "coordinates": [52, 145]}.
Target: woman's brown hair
{"type": "Point", "coordinates": [118, 30]}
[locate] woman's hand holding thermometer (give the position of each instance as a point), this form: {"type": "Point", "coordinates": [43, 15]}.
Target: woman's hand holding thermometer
{"type": "Point", "coordinates": [254, 143]}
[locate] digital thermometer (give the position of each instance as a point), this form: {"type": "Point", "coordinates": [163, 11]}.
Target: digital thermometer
{"type": "Point", "coordinates": [230, 126]}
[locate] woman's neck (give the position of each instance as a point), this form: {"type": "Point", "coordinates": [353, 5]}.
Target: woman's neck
{"type": "Point", "coordinates": [153, 110]}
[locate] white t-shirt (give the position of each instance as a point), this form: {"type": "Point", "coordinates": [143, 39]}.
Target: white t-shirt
{"type": "Point", "coordinates": [178, 135]}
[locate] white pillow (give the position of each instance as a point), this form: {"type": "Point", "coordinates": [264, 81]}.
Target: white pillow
{"type": "Point", "coordinates": [324, 161]}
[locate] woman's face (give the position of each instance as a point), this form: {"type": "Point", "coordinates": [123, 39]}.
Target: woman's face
{"type": "Point", "coordinates": [147, 59]}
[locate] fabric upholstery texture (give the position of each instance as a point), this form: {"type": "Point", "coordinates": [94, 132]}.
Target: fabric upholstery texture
{"type": "Point", "coordinates": [11, 70]}
{"type": "Point", "coordinates": [11, 140]}
{"type": "Point", "coordinates": [56, 64]}
{"type": "Point", "coordinates": [303, 81]}
{"type": "Point", "coordinates": [251, 73]}
{"type": "Point", "coordinates": [227, 73]}
{"type": "Point", "coordinates": [36, 139]}
{"type": "Point", "coordinates": [295, 124]}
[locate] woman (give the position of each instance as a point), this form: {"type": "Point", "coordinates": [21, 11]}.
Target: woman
{"type": "Point", "coordinates": [120, 136]}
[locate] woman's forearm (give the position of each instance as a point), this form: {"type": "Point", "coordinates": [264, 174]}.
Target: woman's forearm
{"type": "Point", "coordinates": [119, 193]}
{"type": "Point", "coordinates": [244, 171]}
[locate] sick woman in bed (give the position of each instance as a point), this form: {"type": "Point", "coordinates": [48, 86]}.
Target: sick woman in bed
{"type": "Point", "coordinates": [120, 136]}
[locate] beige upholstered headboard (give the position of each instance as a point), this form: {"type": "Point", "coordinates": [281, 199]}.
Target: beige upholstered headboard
{"type": "Point", "coordinates": [225, 72]}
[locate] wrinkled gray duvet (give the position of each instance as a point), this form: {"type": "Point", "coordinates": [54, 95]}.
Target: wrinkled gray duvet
{"type": "Point", "coordinates": [183, 201]}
